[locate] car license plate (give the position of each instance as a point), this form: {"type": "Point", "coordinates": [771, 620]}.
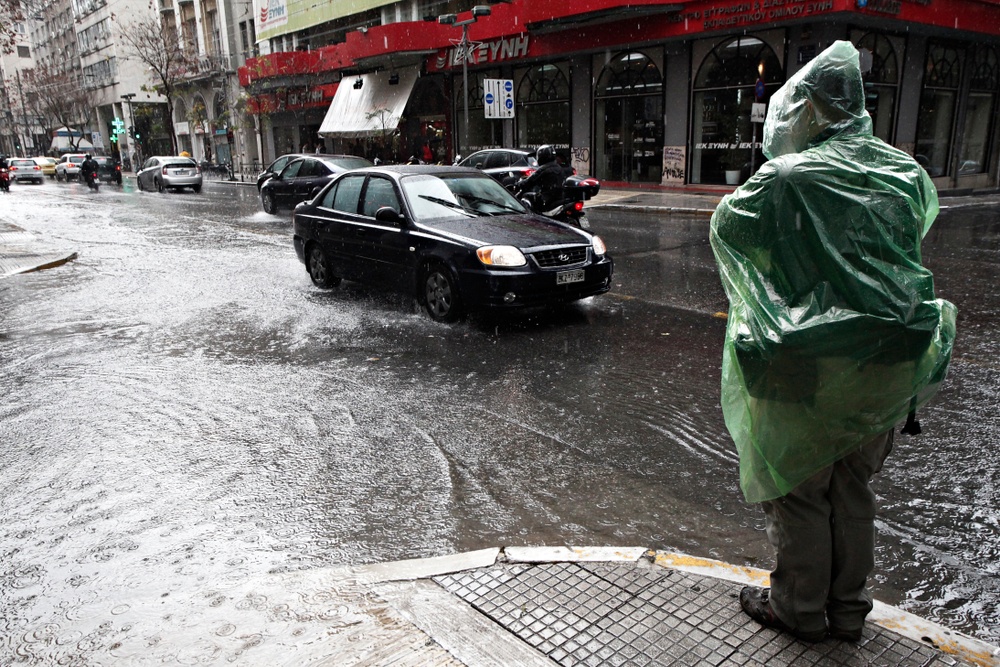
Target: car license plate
{"type": "Point", "coordinates": [566, 277]}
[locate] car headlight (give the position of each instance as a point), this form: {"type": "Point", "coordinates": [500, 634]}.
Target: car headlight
{"type": "Point", "coordinates": [599, 247]}
{"type": "Point", "coordinates": [501, 255]}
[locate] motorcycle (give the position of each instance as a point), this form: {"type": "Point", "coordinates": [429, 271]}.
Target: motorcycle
{"type": "Point", "coordinates": [93, 182]}
{"type": "Point", "coordinates": [568, 206]}
{"type": "Point", "coordinates": [4, 179]}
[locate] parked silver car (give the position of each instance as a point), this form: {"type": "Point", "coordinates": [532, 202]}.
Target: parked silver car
{"type": "Point", "coordinates": [169, 172]}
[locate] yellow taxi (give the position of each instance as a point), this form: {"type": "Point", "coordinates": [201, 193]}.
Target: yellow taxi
{"type": "Point", "coordinates": [48, 165]}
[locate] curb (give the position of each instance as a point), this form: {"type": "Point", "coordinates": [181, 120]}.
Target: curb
{"type": "Point", "coordinates": [915, 628]}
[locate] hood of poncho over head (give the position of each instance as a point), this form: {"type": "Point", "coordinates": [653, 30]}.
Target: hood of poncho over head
{"type": "Point", "coordinates": [824, 98]}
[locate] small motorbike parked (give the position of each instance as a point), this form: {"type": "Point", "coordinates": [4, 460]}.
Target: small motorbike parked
{"type": "Point", "coordinates": [568, 206]}
{"type": "Point", "coordinates": [4, 179]}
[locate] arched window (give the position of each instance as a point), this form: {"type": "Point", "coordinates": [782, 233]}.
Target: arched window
{"type": "Point", "coordinates": [628, 119]}
{"type": "Point", "coordinates": [881, 83]}
{"type": "Point", "coordinates": [724, 90]}
{"type": "Point", "coordinates": [938, 102]}
{"type": "Point", "coordinates": [543, 107]}
{"type": "Point", "coordinates": [980, 116]}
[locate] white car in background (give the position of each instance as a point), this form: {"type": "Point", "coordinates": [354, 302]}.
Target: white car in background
{"type": "Point", "coordinates": [169, 172]}
{"type": "Point", "coordinates": [68, 167]}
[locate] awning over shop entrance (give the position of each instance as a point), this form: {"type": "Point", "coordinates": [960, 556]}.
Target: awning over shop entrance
{"type": "Point", "coordinates": [64, 138]}
{"type": "Point", "coordinates": [370, 109]}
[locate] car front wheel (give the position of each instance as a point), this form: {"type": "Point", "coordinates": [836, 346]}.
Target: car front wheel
{"type": "Point", "coordinates": [440, 295]}
{"type": "Point", "coordinates": [267, 201]}
{"type": "Point", "coordinates": [319, 268]}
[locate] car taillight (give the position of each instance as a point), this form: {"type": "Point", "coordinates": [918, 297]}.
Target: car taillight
{"type": "Point", "coordinates": [36, 168]}
{"type": "Point", "coordinates": [578, 206]}
{"type": "Point", "coordinates": [527, 172]}
{"type": "Point", "coordinates": [13, 168]}
{"type": "Point", "coordinates": [164, 171]}
{"type": "Point", "coordinates": [197, 169]}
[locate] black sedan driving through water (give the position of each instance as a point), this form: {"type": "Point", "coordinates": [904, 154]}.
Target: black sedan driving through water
{"type": "Point", "coordinates": [452, 236]}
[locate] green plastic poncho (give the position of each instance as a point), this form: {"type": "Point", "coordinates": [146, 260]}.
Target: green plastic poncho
{"type": "Point", "coordinates": [834, 333]}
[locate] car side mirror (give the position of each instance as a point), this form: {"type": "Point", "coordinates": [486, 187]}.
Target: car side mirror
{"type": "Point", "coordinates": [388, 214]}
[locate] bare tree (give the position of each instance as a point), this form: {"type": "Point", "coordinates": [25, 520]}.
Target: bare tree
{"type": "Point", "coordinates": [60, 99]}
{"type": "Point", "coordinates": [10, 16]}
{"type": "Point", "coordinates": [156, 45]}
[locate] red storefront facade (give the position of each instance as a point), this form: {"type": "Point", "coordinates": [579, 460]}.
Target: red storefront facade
{"type": "Point", "coordinates": [656, 92]}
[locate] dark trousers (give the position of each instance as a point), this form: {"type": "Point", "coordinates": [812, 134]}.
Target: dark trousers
{"type": "Point", "coordinates": [823, 533]}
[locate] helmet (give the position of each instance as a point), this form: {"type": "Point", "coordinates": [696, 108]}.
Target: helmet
{"type": "Point", "coordinates": [545, 154]}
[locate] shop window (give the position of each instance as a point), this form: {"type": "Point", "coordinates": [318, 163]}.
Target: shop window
{"type": "Point", "coordinates": [980, 118]}
{"type": "Point", "coordinates": [938, 100]}
{"type": "Point", "coordinates": [483, 132]}
{"type": "Point", "coordinates": [881, 83]}
{"type": "Point", "coordinates": [543, 107]}
{"type": "Point", "coordinates": [724, 92]}
{"type": "Point", "coordinates": [628, 119]}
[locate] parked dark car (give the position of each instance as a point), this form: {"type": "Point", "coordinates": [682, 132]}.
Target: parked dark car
{"type": "Point", "coordinates": [276, 167]}
{"type": "Point", "coordinates": [303, 177]}
{"type": "Point", "coordinates": [108, 169]}
{"type": "Point", "coordinates": [507, 165]}
{"type": "Point", "coordinates": [452, 236]}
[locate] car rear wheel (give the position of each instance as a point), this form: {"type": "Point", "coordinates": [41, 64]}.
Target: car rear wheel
{"type": "Point", "coordinates": [159, 185]}
{"type": "Point", "coordinates": [320, 269]}
{"type": "Point", "coordinates": [59, 176]}
{"type": "Point", "coordinates": [267, 201]}
{"type": "Point", "coordinates": [440, 295]}
{"type": "Point", "coordinates": [196, 189]}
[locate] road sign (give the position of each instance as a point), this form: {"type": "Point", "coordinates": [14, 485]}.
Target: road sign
{"type": "Point", "coordinates": [498, 98]}
{"type": "Point", "coordinates": [758, 89]}
{"type": "Point", "coordinates": [758, 110]}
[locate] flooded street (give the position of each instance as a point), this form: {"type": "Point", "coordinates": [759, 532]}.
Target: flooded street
{"type": "Point", "coordinates": [183, 410]}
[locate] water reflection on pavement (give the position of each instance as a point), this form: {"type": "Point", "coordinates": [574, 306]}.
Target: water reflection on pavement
{"type": "Point", "coordinates": [184, 413]}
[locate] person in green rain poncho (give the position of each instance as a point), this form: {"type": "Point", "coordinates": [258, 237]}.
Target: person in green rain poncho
{"type": "Point", "coordinates": [834, 335]}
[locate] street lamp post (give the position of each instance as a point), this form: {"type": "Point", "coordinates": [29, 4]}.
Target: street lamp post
{"type": "Point", "coordinates": [452, 19]}
{"type": "Point", "coordinates": [131, 123]}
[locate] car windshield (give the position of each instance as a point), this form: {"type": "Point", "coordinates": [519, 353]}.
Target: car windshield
{"type": "Point", "coordinates": [457, 196]}
{"type": "Point", "coordinates": [77, 159]}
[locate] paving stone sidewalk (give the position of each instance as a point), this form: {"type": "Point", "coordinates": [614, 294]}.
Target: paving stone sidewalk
{"type": "Point", "coordinates": [22, 251]}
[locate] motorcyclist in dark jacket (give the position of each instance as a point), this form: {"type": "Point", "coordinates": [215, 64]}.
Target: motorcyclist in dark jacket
{"type": "Point", "coordinates": [547, 180]}
{"type": "Point", "coordinates": [88, 169]}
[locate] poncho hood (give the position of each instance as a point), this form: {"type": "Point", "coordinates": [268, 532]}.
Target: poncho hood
{"type": "Point", "coordinates": [823, 99]}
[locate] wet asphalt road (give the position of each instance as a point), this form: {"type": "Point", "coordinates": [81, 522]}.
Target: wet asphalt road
{"type": "Point", "coordinates": [183, 408]}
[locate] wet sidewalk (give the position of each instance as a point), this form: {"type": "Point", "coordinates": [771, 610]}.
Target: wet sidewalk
{"type": "Point", "coordinates": [23, 252]}
{"type": "Point", "coordinates": [542, 606]}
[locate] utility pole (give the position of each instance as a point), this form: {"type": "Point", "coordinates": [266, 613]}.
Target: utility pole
{"type": "Point", "coordinates": [452, 19]}
{"type": "Point", "coordinates": [131, 123]}
{"type": "Point", "coordinates": [24, 117]}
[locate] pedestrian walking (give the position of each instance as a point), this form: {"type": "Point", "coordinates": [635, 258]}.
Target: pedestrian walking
{"type": "Point", "coordinates": [834, 336]}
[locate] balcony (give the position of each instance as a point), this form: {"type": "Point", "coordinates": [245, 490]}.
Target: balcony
{"type": "Point", "coordinates": [166, 7]}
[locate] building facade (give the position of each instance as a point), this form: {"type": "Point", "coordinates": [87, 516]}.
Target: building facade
{"type": "Point", "coordinates": [20, 131]}
{"type": "Point", "coordinates": [639, 91]}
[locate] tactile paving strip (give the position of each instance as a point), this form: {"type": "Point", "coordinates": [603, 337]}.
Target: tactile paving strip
{"type": "Point", "coordinates": [613, 614]}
